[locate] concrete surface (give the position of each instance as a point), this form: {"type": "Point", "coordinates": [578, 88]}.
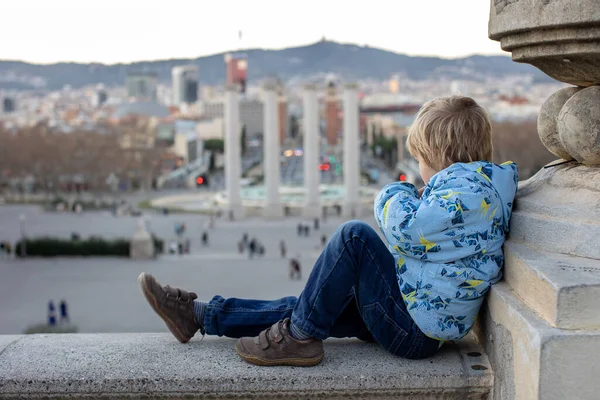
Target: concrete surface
{"type": "Point", "coordinates": [157, 366]}
{"type": "Point", "coordinates": [547, 122]}
{"type": "Point", "coordinates": [564, 290]}
{"type": "Point", "coordinates": [560, 37]}
{"type": "Point", "coordinates": [544, 362]}
{"type": "Point", "coordinates": [7, 340]}
{"type": "Point", "coordinates": [579, 124]}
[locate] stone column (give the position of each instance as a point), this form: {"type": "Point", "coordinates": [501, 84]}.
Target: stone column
{"type": "Point", "coordinates": [272, 152]}
{"type": "Point", "coordinates": [351, 151]}
{"type": "Point", "coordinates": [541, 325]}
{"type": "Point", "coordinates": [233, 153]}
{"type": "Point", "coordinates": [141, 246]}
{"type": "Point", "coordinates": [312, 206]}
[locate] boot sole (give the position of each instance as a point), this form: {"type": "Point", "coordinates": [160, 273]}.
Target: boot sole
{"type": "Point", "coordinates": [154, 304]}
{"type": "Point", "coordinates": [293, 362]}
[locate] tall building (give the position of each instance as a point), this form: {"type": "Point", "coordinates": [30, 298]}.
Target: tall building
{"type": "Point", "coordinates": [251, 113]}
{"type": "Point", "coordinates": [141, 86]}
{"type": "Point", "coordinates": [8, 105]}
{"type": "Point", "coordinates": [185, 84]}
{"type": "Point", "coordinates": [332, 115]}
{"type": "Point", "coordinates": [236, 70]}
{"type": "Point", "coordinates": [283, 118]}
{"type": "Point", "coordinates": [99, 97]}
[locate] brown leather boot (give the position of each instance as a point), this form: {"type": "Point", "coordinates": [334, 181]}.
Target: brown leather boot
{"type": "Point", "coordinates": [275, 346]}
{"type": "Point", "coordinates": [174, 306]}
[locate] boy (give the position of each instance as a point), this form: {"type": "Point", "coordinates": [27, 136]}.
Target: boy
{"type": "Point", "coordinates": [423, 287]}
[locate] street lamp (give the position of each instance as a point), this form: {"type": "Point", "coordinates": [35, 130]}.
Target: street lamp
{"type": "Point", "coordinates": [22, 219]}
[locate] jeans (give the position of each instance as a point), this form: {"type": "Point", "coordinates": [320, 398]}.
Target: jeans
{"type": "Point", "coordinates": [352, 291]}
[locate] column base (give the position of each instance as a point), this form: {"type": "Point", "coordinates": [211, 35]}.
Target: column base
{"type": "Point", "coordinates": [273, 211]}
{"type": "Point", "coordinates": [312, 211]}
{"type": "Point", "coordinates": [235, 212]}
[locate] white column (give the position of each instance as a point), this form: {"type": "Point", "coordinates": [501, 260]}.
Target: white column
{"type": "Point", "coordinates": [272, 152]}
{"type": "Point", "coordinates": [312, 206]}
{"type": "Point", "coordinates": [233, 152]}
{"type": "Point", "coordinates": [351, 151]}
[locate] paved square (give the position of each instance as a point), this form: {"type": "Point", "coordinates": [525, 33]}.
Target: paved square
{"type": "Point", "coordinates": [103, 294]}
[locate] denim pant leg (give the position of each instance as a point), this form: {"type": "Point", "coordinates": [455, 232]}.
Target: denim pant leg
{"type": "Point", "coordinates": [236, 317]}
{"type": "Point", "coordinates": [357, 259]}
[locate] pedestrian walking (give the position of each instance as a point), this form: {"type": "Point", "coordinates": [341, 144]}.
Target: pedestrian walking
{"type": "Point", "coordinates": [64, 312]}
{"type": "Point", "coordinates": [205, 238]}
{"type": "Point", "coordinates": [295, 272]}
{"type": "Point", "coordinates": [187, 247]}
{"type": "Point", "coordinates": [300, 229]}
{"type": "Point", "coordinates": [282, 248]}
{"type": "Point", "coordinates": [316, 224]}
{"type": "Point", "coordinates": [306, 230]}
{"type": "Point", "coordinates": [51, 313]}
{"type": "Point", "coordinates": [323, 240]}
{"type": "Point", "coordinates": [252, 248]}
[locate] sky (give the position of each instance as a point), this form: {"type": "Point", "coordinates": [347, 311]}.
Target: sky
{"type": "Point", "coordinates": [114, 31]}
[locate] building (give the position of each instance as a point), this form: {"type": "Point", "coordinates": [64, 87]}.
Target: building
{"type": "Point", "coordinates": [332, 115]}
{"type": "Point", "coordinates": [185, 84]}
{"type": "Point", "coordinates": [141, 86]}
{"type": "Point", "coordinates": [99, 97]}
{"type": "Point", "coordinates": [251, 114]}
{"type": "Point", "coordinates": [8, 105]}
{"type": "Point", "coordinates": [236, 65]}
{"type": "Point", "coordinates": [283, 119]}
{"type": "Point", "coordinates": [210, 128]}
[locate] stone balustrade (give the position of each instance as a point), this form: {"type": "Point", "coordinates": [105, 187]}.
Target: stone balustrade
{"type": "Point", "coordinates": [114, 366]}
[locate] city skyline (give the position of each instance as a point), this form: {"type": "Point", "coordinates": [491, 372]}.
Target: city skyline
{"type": "Point", "coordinates": [111, 32]}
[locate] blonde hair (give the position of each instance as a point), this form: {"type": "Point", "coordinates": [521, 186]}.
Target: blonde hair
{"type": "Point", "coordinates": [450, 130]}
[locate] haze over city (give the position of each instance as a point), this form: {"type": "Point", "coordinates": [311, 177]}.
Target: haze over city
{"type": "Point", "coordinates": [114, 31]}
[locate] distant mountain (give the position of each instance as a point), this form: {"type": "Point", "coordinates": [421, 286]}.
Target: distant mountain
{"type": "Point", "coordinates": [346, 61]}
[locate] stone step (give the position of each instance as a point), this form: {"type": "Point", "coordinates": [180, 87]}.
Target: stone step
{"type": "Point", "coordinates": [558, 235]}
{"type": "Point", "coordinates": [562, 289]}
{"type": "Point", "coordinates": [533, 360]}
{"type": "Point", "coordinates": [557, 211]}
{"type": "Point", "coordinates": [155, 365]}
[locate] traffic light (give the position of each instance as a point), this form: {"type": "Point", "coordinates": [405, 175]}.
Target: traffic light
{"type": "Point", "coordinates": [201, 180]}
{"type": "Point", "coordinates": [323, 167]}
{"type": "Point", "coordinates": [402, 177]}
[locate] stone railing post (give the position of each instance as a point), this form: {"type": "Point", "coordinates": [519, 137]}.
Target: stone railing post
{"type": "Point", "coordinates": [541, 326]}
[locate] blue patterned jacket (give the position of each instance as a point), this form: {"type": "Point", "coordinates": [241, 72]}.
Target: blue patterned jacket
{"type": "Point", "coordinates": [448, 243]}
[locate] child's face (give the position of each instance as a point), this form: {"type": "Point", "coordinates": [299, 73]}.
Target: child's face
{"type": "Point", "coordinates": [426, 171]}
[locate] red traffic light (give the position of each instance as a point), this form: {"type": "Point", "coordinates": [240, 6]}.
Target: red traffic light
{"type": "Point", "coordinates": [200, 180]}
{"type": "Point", "coordinates": [323, 167]}
{"type": "Point", "coordinates": [402, 178]}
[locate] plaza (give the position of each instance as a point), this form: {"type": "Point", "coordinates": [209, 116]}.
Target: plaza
{"type": "Point", "coordinates": [103, 293]}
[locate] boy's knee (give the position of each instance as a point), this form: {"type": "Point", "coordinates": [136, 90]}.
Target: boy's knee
{"type": "Point", "coordinates": [355, 228]}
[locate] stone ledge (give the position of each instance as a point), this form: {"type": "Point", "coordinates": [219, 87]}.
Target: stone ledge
{"type": "Point", "coordinates": [533, 360]}
{"type": "Point", "coordinates": [563, 289]}
{"type": "Point", "coordinates": [155, 365]}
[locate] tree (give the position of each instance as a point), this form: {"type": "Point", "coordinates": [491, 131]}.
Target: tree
{"type": "Point", "coordinates": [217, 145]}
{"type": "Point", "coordinates": [243, 142]}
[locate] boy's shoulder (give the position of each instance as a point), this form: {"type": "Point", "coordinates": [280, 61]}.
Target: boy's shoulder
{"type": "Point", "coordinates": [477, 173]}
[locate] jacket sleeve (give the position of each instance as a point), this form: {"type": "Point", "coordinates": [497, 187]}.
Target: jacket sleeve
{"type": "Point", "coordinates": [400, 200]}
{"type": "Point", "coordinates": [423, 227]}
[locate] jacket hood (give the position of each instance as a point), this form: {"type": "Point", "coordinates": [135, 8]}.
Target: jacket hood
{"type": "Point", "coordinates": [502, 178]}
